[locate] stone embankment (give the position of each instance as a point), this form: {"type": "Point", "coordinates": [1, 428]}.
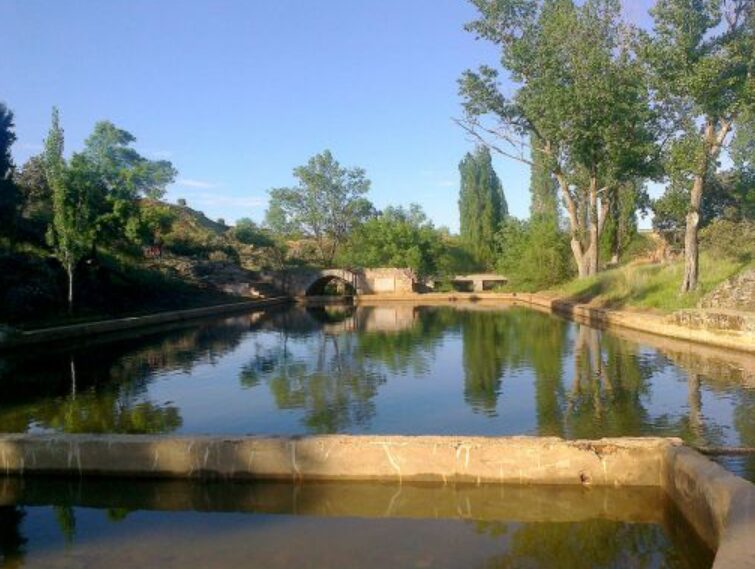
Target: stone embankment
{"type": "Point", "coordinates": [717, 504]}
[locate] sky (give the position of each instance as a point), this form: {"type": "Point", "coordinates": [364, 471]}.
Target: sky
{"type": "Point", "coordinates": [236, 93]}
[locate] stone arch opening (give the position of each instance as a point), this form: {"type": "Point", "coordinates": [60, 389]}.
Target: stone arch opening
{"type": "Point", "coordinates": [330, 285]}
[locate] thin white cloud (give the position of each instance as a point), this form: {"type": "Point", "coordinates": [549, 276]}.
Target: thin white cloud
{"type": "Point", "coordinates": [199, 184]}
{"type": "Point", "coordinates": [447, 183]}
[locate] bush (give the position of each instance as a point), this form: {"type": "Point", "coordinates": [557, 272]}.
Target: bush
{"type": "Point", "coordinates": [730, 239]}
{"type": "Point", "coordinates": [533, 254]}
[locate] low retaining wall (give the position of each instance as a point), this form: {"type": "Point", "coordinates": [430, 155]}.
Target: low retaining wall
{"type": "Point", "coordinates": [719, 505]}
{"type": "Point", "coordinates": [119, 324]}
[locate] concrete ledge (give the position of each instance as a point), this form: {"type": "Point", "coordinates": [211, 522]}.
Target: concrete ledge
{"type": "Point", "coordinates": [107, 326]}
{"type": "Point", "coordinates": [719, 505]}
{"type": "Point", "coordinates": [506, 460]}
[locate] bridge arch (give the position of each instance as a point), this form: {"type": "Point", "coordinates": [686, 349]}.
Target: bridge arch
{"type": "Point", "coordinates": [323, 281]}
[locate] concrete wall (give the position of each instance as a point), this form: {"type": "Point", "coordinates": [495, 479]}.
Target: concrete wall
{"type": "Point", "coordinates": [719, 505]}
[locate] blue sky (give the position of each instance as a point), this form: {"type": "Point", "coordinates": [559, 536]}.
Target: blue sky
{"type": "Point", "coordinates": [237, 93]}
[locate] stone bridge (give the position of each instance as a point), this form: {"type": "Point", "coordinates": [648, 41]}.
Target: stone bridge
{"type": "Point", "coordinates": [311, 282]}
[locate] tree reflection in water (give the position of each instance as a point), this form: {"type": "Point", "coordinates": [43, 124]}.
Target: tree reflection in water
{"type": "Point", "coordinates": [330, 363]}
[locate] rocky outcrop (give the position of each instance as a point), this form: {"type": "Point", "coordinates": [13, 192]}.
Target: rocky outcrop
{"type": "Point", "coordinates": [736, 293]}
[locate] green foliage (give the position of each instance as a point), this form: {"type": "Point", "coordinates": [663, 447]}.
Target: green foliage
{"type": "Point", "coordinates": [397, 237]}
{"type": "Point", "coordinates": [126, 176]}
{"type": "Point", "coordinates": [482, 205]}
{"type": "Point", "coordinates": [326, 205]}
{"type": "Point", "coordinates": [35, 189]}
{"type": "Point", "coordinates": [10, 197]}
{"type": "Point", "coordinates": [249, 233]}
{"type": "Point", "coordinates": [620, 228]}
{"type": "Point", "coordinates": [729, 239]}
{"type": "Point", "coordinates": [533, 254]}
{"type": "Point", "coordinates": [74, 191]}
{"type": "Point", "coordinates": [729, 195]}
{"type": "Point", "coordinates": [580, 93]}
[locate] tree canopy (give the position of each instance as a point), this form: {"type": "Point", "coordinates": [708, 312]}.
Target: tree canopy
{"type": "Point", "coordinates": [397, 237]}
{"type": "Point", "coordinates": [326, 205]}
{"type": "Point", "coordinates": [580, 95]}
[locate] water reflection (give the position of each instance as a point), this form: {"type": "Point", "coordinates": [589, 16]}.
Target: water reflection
{"type": "Point", "coordinates": [397, 368]}
{"type": "Point", "coordinates": [63, 523]}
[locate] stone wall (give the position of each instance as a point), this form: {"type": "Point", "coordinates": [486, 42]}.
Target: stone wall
{"type": "Point", "coordinates": [736, 293]}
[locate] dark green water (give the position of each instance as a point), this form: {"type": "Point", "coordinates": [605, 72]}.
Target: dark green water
{"type": "Point", "coordinates": [63, 524]}
{"type": "Point", "coordinates": [402, 369]}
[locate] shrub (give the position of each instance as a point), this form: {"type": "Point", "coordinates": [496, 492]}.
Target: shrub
{"type": "Point", "coordinates": [730, 239]}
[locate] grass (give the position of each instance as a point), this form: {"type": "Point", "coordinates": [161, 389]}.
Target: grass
{"type": "Point", "coordinates": [650, 286]}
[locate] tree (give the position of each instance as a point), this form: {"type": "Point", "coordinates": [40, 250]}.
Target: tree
{"type": "Point", "coordinates": [9, 194]}
{"type": "Point", "coordinates": [36, 193]}
{"type": "Point", "coordinates": [701, 53]}
{"type": "Point", "coordinates": [543, 186]}
{"type": "Point", "coordinates": [581, 98]}
{"type": "Point", "coordinates": [625, 201]}
{"type": "Point", "coordinates": [326, 205]}
{"type": "Point", "coordinates": [71, 232]}
{"type": "Point", "coordinates": [125, 177]}
{"type": "Point", "coordinates": [249, 233]}
{"type": "Point", "coordinates": [482, 205]}
{"type": "Point", "coordinates": [397, 237]}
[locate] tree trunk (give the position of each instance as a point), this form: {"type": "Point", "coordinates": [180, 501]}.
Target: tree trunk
{"type": "Point", "coordinates": [579, 257]}
{"type": "Point", "coordinates": [592, 250]}
{"type": "Point", "coordinates": [713, 143]}
{"type": "Point", "coordinates": [689, 282]}
{"type": "Point", "coordinates": [69, 270]}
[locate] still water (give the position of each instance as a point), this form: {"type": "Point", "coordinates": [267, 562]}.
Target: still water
{"type": "Point", "coordinates": [388, 369]}
{"type": "Point", "coordinates": [60, 524]}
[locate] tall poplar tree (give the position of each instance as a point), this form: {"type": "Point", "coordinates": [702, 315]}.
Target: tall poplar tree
{"type": "Point", "coordinates": [482, 205]}
{"type": "Point", "coordinates": [71, 232]}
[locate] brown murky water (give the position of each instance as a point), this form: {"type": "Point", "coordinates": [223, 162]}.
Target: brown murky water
{"type": "Point", "coordinates": [82, 523]}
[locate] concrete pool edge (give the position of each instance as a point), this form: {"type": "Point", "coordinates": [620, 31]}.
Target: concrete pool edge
{"type": "Point", "coordinates": [719, 505]}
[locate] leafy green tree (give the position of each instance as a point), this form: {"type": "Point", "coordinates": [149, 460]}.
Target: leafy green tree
{"type": "Point", "coordinates": [701, 53]}
{"type": "Point", "coordinates": [397, 237]}
{"type": "Point", "coordinates": [581, 98]}
{"type": "Point", "coordinates": [482, 205]}
{"type": "Point", "coordinates": [125, 177]}
{"type": "Point", "coordinates": [9, 194]}
{"type": "Point", "coordinates": [327, 204]}
{"type": "Point", "coordinates": [71, 232]}
{"type": "Point", "coordinates": [533, 254]}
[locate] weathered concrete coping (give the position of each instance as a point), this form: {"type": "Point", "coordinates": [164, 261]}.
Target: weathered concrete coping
{"type": "Point", "coordinates": [116, 325]}
{"type": "Point", "coordinates": [719, 505]}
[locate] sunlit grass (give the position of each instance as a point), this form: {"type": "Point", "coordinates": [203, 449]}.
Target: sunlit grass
{"type": "Point", "coordinates": [650, 286]}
